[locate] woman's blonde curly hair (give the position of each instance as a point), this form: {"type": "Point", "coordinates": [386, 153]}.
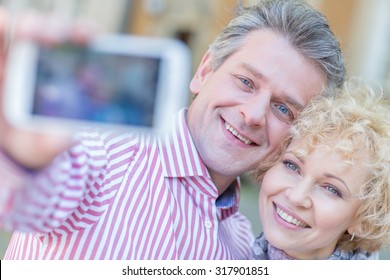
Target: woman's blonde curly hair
{"type": "Point", "coordinates": [358, 118]}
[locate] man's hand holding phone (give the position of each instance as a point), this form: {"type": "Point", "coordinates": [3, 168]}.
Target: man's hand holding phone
{"type": "Point", "coordinates": [32, 149]}
{"type": "Point", "coordinates": [66, 78]}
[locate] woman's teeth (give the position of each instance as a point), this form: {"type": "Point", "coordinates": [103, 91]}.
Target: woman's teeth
{"type": "Point", "coordinates": [290, 219]}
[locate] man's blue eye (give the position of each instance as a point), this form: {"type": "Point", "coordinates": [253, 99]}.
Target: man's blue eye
{"type": "Point", "coordinates": [245, 82]}
{"type": "Point", "coordinates": [283, 109]}
{"type": "Point", "coordinates": [283, 113]}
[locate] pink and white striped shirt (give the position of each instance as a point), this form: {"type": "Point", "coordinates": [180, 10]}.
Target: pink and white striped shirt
{"type": "Point", "coordinates": [127, 196]}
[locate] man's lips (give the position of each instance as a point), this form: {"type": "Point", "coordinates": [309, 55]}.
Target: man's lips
{"type": "Point", "coordinates": [237, 135]}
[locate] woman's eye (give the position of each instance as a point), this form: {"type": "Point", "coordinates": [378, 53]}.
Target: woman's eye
{"type": "Point", "coordinates": [333, 190]}
{"type": "Point", "coordinates": [290, 165]}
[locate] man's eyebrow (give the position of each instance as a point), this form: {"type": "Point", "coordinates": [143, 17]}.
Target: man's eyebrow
{"type": "Point", "coordinates": [253, 71]}
{"type": "Point", "coordinates": [294, 102]}
{"type": "Point", "coordinates": [288, 97]}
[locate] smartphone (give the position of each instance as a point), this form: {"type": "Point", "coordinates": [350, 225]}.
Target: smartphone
{"type": "Point", "coordinates": [122, 81]}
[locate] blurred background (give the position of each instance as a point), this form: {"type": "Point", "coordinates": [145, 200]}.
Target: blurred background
{"type": "Point", "coordinates": [362, 27]}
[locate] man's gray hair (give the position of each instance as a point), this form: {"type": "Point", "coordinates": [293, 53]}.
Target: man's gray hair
{"type": "Point", "coordinates": [305, 28]}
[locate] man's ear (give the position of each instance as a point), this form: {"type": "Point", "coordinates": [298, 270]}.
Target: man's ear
{"type": "Point", "coordinates": [201, 73]}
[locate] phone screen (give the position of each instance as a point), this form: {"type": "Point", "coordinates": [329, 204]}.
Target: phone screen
{"type": "Point", "coordinates": [75, 83]}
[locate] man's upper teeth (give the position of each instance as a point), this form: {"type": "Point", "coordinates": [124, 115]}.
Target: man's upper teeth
{"type": "Point", "coordinates": [235, 133]}
{"type": "Point", "coordinates": [289, 219]}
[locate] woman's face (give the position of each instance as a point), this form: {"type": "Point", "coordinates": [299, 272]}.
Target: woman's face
{"type": "Point", "coordinates": [308, 202]}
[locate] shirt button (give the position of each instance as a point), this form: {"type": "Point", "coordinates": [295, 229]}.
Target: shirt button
{"type": "Point", "coordinates": [208, 223]}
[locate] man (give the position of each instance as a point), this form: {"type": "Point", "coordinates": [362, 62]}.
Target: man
{"type": "Point", "coordinates": [134, 196]}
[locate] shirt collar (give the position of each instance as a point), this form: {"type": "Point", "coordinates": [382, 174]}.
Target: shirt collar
{"type": "Point", "coordinates": [229, 197]}
{"type": "Point", "coordinates": [180, 158]}
{"type": "Point", "coordinates": [178, 152]}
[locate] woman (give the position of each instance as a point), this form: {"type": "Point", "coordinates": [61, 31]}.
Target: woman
{"type": "Point", "coordinates": [327, 196]}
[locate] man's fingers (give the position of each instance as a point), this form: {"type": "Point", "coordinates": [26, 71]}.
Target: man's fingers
{"type": "Point", "coordinates": [34, 150]}
{"type": "Point", "coordinates": [46, 29]}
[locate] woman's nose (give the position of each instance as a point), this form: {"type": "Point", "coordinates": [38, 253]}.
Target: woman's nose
{"type": "Point", "coordinates": [300, 194]}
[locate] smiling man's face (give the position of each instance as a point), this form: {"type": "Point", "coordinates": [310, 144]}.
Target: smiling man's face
{"type": "Point", "coordinates": [243, 110]}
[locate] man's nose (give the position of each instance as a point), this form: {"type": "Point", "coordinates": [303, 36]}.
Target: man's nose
{"type": "Point", "coordinates": [256, 109]}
